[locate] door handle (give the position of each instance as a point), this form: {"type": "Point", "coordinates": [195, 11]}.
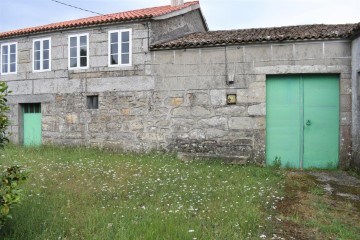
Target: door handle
{"type": "Point", "coordinates": [308, 123]}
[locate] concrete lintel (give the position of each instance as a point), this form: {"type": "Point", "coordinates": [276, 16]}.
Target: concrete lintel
{"type": "Point", "coordinates": [31, 98]}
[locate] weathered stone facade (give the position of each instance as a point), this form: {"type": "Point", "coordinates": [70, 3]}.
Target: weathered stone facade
{"type": "Point", "coordinates": [173, 100]}
{"type": "Point", "coordinates": [355, 102]}
{"type": "Point", "coordinates": [205, 124]}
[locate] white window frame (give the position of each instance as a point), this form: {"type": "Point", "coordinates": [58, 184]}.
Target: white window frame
{"type": "Point", "coordinates": [16, 58]}
{"type": "Point", "coordinates": [78, 51]}
{"type": "Point", "coordinates": [119, 48]}
{"type": "Point", "coordinates": [41, 40]}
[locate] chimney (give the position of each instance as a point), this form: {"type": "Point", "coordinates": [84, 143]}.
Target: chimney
{"type": "Point", "coordinates": [175, 3]}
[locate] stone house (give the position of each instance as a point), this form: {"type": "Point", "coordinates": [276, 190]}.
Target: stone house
{"type": "Point", "coordinates": [158, 79]}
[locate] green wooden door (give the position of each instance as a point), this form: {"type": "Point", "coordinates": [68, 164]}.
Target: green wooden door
{"type": "Point", "coordinates": [32, 124]}
{"type": "Point", "coordinates": [302, 123]}
{"type": "Point", "coordinates": [321, 118]}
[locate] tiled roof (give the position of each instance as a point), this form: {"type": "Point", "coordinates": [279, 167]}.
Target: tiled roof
{"type": "Point", "coordinates": [258, 35]}
{"type": "Point", "coordinates": [356, 30]}
{"type": "Point", "coordinates": [140, 14]}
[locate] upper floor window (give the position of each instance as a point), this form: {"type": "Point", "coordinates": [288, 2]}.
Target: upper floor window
{"type": "Point", "coordinates": [8, 58]}
{"type": "Point", "coordinates": [42, 54]}
{"type": "Point", "coordinates": [79, 51]}
{"type": "Point", "coordinates": [120, 48]}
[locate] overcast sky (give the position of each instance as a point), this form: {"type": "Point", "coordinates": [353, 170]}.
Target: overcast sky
{"type": "Point", "coordinates": [220, 14]}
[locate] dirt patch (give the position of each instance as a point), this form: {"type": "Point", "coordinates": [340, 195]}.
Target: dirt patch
{"type": "Point", "coordinates": [320, 205]}
{"type": "Point", "coordinates": [339, 185]}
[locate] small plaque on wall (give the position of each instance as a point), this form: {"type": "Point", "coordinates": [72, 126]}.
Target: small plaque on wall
{"type": "Point", "coordinates": [231, 99]}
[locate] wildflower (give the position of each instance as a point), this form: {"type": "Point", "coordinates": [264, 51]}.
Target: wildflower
{"type": "Point", "coordinates": [191, 230]}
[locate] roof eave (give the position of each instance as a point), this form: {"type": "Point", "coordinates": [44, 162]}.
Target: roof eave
{"type": "Point", "coordinates": [204, 45]}
{"type": "Point", "coordinates": [184, 11]}
{"type": "Point", "coordinates": [178, 12]}
{"type": "Point", "coordinates": [105, 23]}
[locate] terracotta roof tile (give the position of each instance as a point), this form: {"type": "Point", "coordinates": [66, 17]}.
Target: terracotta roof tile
{"type": "Point", "coordinates": [258, 35]}
{"type": "Point", "coordinates": [144, 13]}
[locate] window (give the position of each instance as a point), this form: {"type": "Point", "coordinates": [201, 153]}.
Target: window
{"type": "Point", "coordinates": [92, 102]}
{"type": "Point", "coordinates": [32, 108]}
{"type": "Point", "coordinates": [79, 51]}
{"type": "Point", "coordinates": [120, 48]}
{"type": "Point", "coordinates": [42, 55]}
{"type": "Point", "coordinates": [8, 58]}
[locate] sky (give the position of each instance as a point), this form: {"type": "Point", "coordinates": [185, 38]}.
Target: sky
{"type": "Point", "coordinates": [219, 14]}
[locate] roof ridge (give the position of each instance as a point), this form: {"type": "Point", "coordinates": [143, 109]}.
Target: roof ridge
{"type": "Point", "coordinates": [260, 35]}
{"type": "Point", "coordinates": [137, 14]}
{"type": "Point", "coordinates": [286, 26]}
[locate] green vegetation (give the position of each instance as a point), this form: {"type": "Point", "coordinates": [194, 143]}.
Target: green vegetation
{"type": "Point", "coordinates": [308, 212]}
{"type": "Point", "coordinates": [10, 194]}
{"type": "Point", "coordinates": [10, 177]}
{"type": "Point", "coordinates": [75, 193]}
{"type": "Point", "coordinates": [4, 120]}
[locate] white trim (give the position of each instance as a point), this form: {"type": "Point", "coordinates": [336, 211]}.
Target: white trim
{"type": "Point", "coordinates": [119, 48]}
{"type": "Point", "coordinates": [41, 55]}
{"type": "Point", "coordinates": [78, 51]}
{"type": "Point", "coordinates": [16, 58]}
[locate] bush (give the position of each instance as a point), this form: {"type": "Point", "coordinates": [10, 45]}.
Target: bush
{"type": "Point", "coordinates": [9, 191]}
{"type": "Point", "coordinates": [12, 176]}
{"type": "Point", "coordinates": [4, 119]}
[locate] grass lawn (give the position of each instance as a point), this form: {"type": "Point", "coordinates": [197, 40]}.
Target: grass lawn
{"type": "Point", "coordinates": [308, 212]}
{"type": "Point", "coordinates": [76, 193]}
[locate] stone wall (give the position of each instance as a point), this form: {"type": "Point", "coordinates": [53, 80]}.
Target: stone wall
{"type": "Point", "coordinates": [355, 100]}
{"type": "Point", "coordinates": [170, 99]}
{"type": "Point", "coordinates": [176, 27]}
{"type": "Point", "coordinates": [44, 87]}
{"type": "Point", "coordinates": [196, 83]}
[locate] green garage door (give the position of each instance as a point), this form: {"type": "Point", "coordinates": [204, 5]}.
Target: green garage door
{"type": "Point", "coordinates": [32, 124]}
{"type": "Point", "coordinates": [302, 123]}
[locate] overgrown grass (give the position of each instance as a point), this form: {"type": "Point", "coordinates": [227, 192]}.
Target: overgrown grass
{"type": "Point", "coordinates": [308, 212]}
{"type": "Point", "coordinates": [75, 193]}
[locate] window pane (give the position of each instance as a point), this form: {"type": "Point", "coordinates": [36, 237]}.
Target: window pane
{"type": "Point", "coordinates": [114, 37]}
{"type": "Point", "coordinates": [95, 102]}
{"type": "Point", "coordinates": [125, 47]}
{"type": "Point", "coordinates": [13, 48]}
{"type": "Point", "coordinates": [46, 64]}
{"type": "Point", "coordinates": [13, 67]}
{"type": "Point", "coordinates": [83, 62]}
{"type": "Point", "coordinates": [73, 62]}
{"type": "Point", "coordinates": [125, 36]}
{"type": "Point", "coordinates": [73, 42]}
{"type": "Point", "coordinates": [5, 59]}
{"type": "Point", "coordinates": [12, 58]}
{"type": "Point", "coordinates": [125, 59]}
{"type": "Point", "coordinates": [37, 55]}
{"type": "Point", "coordinates": [114, 48]}
{"type": "Point", "coordinates": [32, 110]}
{"type": "Point", "coordinates": [83, 40]}
{"type": "Point", "coordinates": [46, 44]}
{"type": "Point", "coordinates": [92, 102]}
{"type": "Point", "coordinates": [73, 52]}
{"type": "Point", "coordinates": [114, 59]}
{"type": "Point", "coordinates": [37, 65]}
{"type": "Point", "coordinates": [5, 50]}
{"type": "Point", "coordinates": [37, 108]}
{"type": "Point", "coordinates": [5, 68]}
{"type": "Point", "coordinates": [83, 51]}
{"type": "Point", "coordinates": [46, 54]}
{"type": "Point", "coordinates": [37, 45]}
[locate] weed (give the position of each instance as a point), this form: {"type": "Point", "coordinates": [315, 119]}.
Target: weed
{"type": "Point", "coordinates": [76, 193]}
